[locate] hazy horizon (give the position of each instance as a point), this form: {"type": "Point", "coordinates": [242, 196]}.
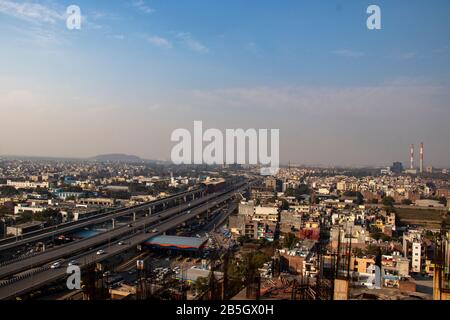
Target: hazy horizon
{"type": "Point", "coordinates": [340, 94]}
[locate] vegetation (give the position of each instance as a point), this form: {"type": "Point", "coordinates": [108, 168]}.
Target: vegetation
{"type": "Point", "coordinates": [51, 216]}
{"type": "Point", "coordinates": [407, 202]}
{"type": "Point", "coordinates": [8, 191]}
{"type": "Point", "coordinates": [289, 240]}
{"type": "Point", "coordinates": [388, 201]}
{"type": "Point", "coordinates": [298, 192]}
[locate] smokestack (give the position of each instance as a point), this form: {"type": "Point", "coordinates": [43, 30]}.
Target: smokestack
{"type": "Point", "coordinates": [421, 157]}
{"type": "Point", "coordinates": [412, 156]}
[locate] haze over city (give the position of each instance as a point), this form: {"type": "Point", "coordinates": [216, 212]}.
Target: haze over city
{"type": "Point", "coordinates": [137, 70]}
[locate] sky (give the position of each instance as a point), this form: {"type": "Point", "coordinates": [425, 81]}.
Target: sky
{"type": "Point", "coordinates": [340, 94]}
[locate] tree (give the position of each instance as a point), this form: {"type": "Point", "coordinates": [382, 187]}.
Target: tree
{"type": "Point", "coordinates": [242, 239]}
{"type": "Point", "coordinates": [407, 202]}
{"type": "Point", "coordinates": [289, 240]}
{"type": "Point", "coordinates": [388, 201]}
{"type": "Point", "coordinates": [51, 216]}
{"type": "Point", "coordinates": [359, 198]}
{"type": "Point", "coordinates": [201, 285]}
{"type": "Point", "coordinates": [284, 205]}
{"type": "Point", "coordinates": [376, 233]}
{"type": "Point", "coordinates": [8, 191]}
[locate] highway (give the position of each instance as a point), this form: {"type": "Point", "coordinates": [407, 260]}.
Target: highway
{"type": "Point", "coordinates": [77, 246]}
{"type": "Point", "coordinates": [112, 248]}
{"type": "Point", "coordinates": [65, 228]}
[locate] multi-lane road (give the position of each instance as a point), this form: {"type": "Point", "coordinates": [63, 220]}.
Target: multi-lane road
{"type": "Point", "coordinates": [14, 242]}
{"type": "Point", "coordinates": [85, 251]}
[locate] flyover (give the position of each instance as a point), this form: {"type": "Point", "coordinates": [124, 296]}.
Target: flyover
{"type": "Point", "coordinates": [14, 242]}
{"type": "Point", "coordinates": [88, 257]}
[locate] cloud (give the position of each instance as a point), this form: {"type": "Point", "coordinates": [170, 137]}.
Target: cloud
{"type": "Point", "coordinates": [192, 44]}
{"type": "Point", "coordinates": [142, 6]}
{"type": "Point", "coordinates": [158, 41]}
{"type": "Point", "coordinates": [358, 101]}
{"type": "Point", "coordinates": [32, 12]}
{"type": "Point", "coordinates": [348, 53]}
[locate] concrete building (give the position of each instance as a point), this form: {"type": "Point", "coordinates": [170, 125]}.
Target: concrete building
{"type": "Point", "coordinates": [22, 208]}
{"type": "Point", "coordinates": [27, 184]}
{"type": "Point", "coordinates": [24, 228]}
{"type": "Point", "coordinates": [414, 249]}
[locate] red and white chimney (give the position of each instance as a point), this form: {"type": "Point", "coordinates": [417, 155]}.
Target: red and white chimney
{"type": "Point", "coordinates": [421, 157]}
{"type": "Point", "coordinates": [412, 156]}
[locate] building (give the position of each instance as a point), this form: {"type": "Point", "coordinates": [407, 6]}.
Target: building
{"type": "Point", "coordinates": [24, 228]}
{"type": "Point", "coordinates": [290, 221]}
{"type": "Point", "coordinates": [397, 167]}
{"type": "Point", "coordinates": [25, 207]}
{"type": "Point", "coordinates": [27, 184]}
{"type": "Point", "coordinates": [414, 249]}
{"type": "Point", "coordinates": [104, 202]}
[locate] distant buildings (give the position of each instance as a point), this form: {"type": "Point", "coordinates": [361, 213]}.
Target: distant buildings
{"type": "Point", "coordinates": [397, 167]}
{"type": "Point", "coordinates": [27, 184]}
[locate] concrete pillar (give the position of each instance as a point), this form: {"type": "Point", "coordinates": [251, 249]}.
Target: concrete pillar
{"type": "Point", "coordinates": [341, 289]}
{"type": "Point", "coordinates": [113, 223]}
{"type": "Point", "coordinates": [134, 216]}
{"type": "Point", "coordinates": [150, 210]}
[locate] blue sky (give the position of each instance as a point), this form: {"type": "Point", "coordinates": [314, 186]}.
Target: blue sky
{"type": "Point", "coordinates": [310, 68]}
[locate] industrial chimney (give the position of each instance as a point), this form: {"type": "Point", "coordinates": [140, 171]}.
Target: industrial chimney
{"type": "Point", "coordinates": [421, 157]}
{"type": "Point", "coordinates": [412, 157]}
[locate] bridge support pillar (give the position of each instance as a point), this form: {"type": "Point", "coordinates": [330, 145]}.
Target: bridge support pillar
{"type": "Point", "coordinates": [150, 211]}
{"type": "Point", "coordinates": [113, 223]}
{"type": "Point", "coordinates": [134, 216]}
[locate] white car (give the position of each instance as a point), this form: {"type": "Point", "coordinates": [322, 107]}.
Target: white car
{"type": "Point", "coordinates": [73, 263]}
{"type": "Point", "coordinates": [121, 243]}
{"type": "Point", "coordinates": [154, 230]}
{"type": "Point", "coordinates": [55, 265]}
{"type": "Point", "coordinates": [100, 252]}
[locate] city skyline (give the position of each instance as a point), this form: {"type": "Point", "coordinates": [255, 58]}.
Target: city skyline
{"type": "Point", "coordinates": [340, 94]}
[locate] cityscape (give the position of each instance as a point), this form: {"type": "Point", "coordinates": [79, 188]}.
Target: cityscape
{"type": "Point", "coordinates": [263, 152]}
{"type": "Point", "coordinates": [148, 230]}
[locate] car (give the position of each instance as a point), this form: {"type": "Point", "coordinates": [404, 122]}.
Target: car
{"type": "Point", "coordinates": [55, 265]}
{"type": "Point", "coordinates": [107, 274]}
{"type": "Point", "coordinates": [121, 243]}
{"type": "Point", "coordinates": [100, 252]}
{"type": "Point", "coordinates": [155, 230]}
{"type": "Point", "coordinates": [73, 263]}
{"type": "Point", "coordinates": [130, 225]}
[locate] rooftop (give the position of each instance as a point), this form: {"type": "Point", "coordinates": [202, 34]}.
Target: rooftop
{"type": "Point", "coordinates": [177, 242]}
